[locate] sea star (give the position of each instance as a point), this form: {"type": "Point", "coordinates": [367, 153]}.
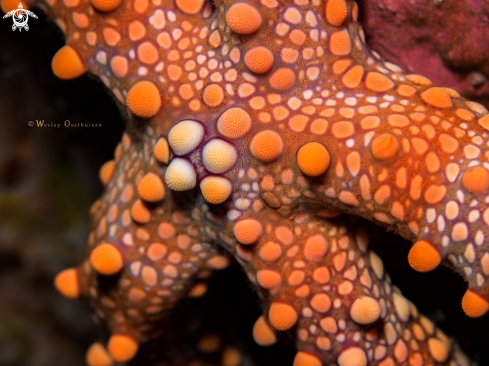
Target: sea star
{"type": "Point", "coordinates": [284, 118]}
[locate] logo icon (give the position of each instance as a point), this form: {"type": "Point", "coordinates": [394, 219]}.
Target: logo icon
{"type": "Point", "coordinates": [20, 17]}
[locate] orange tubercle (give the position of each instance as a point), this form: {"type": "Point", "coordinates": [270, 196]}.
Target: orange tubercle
{"type": "Point", "coordinates": [282, 316]}
{"type": "Point", "coordinates": [106, 259]}
{"type": "Point", "coordinates": [190, 6]}
{"type": "Point", "coordinates": [476, 180]}
{"type": "Point", "coordinates": [9, 5]}
{"type": "Point", "coordinates": [122, 347]}
{"type": "Point", "coordinates": [266, 146]}
{"type": "Point", "coordinates": [243, 18]}
{"type": "Point", "coordinates": [66, 282]}
{"type": "Point", "coordinates": [259, 60]}
{"type": "Point", "coordinates": [336, 12]}
{"type": "Point", "coordinates": [67, 64]}
{"type": "Point", "coordinates": [437, 97]}
{"type": "Point", "coordinates": [97, 355]}
{"type": "Point", "coordinates": [151, 188]}
{"type": "Point", "coordinates": [474, 305]}
{"type": "Point", "coordinates": [247, 231]}
{"type": "Point", "coordinates": [106, 5]}
{"type": "Point", "coordinates": [313, 159]}
{"type": "Point", "coordinates": [424, 257]}
{"type": "Point", "coordinates": [106, 172]}
{"type": "Point", "coordinates": [262, 333]}
{"type": "Point", "coordinates": [306, 359]}
{"type": "Point", "coordinates": [234, 123]}
{"type": "Point", "coordinates": [385, 147]}
{"type": "Point", "coordinates": [144, 99]}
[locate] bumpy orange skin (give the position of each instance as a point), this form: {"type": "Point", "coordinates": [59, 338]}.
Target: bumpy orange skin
{"type": "Point", "coordinates": [250, 127]}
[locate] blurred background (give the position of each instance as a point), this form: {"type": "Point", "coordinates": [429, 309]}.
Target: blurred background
{"type": "Point", "coordinates": [49, 179]}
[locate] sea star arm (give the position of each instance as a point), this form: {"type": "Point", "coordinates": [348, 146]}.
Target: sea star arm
{"type": "Point", "coordinates": [141, 259]}
{"type": "Point", "coordinates": [323, 287]}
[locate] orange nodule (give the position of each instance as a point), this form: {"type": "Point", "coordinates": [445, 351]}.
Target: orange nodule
{"type": "Point", "coordinates": [213, 95]}
{"type": "Point", "coordinates": [66, 282]}
{"type": "Point", "coordinates": [234, 123]}
{"type": "Point", "coordinates": [243, 18]}
{"type": "Point", "coordinates": [190, 6]}
{"type": "Point", "coordinates": [151, 188]}
{"type": "Point", "coordinates": [484, 122]}
{"type": "Point", "coordinates": [378, 82]}
{"type": "Point", "coordinates": [353, 77]}
{"type": "Point", "coordinates": [437, 97]}
{"type": "Point", "coordinates": [315, 248]}
{"type": "Point", "coordinates": [144, 99]}
{"type": "Point", "coordinates": [106, 259]}
{"type": "Point", "coordinates": [122, 347]}
{"type": "Point", "coordinates": [67, 64]}
{"type": "Point", "coordinates": [313, 159]}
{"type": "Point", "coordinates": [474, 305]}
{"type": "Point", "coordinates": [161, 151]}
{"type": "Point", "coordinates": [282, 79]}
{"type": "Point", "coordinates": [266, 146]}
{"type": "Point", "coordinates": [476, 180]}
{"type": "Point", "coordinates": [247, 231]}
{"type": "Point", "coordinates": [282, 316]}
{"type": "Point", "coordinates": [336, 12]}
{"type": "Point", "coordinates": [106, 5]}
{"type": "Point", "coordinates": [140, 213]}
{"type": "Point", "coordinates": [340, 43]}
{"type": "Point", "coordinates": [9, 5]}
{"type": "Point", "coordinates": [306, 359]}
{"type": "Point", "coordinates": [259, 60]}
{"type": "Point", "coordinates": [385, 146]}
{"type": "Point", "coordinates": [262, 333]}
{"type": "Point", "coordinates": [424, 257]}
{"type": "Point", "coordinates": [106, 172]}
{"type": "Point", "coordinates": [419, 80]}
{"type": "Point", "coordinates": [97, 355]}
{"type": "Point", "coordinates": [216, 190]}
